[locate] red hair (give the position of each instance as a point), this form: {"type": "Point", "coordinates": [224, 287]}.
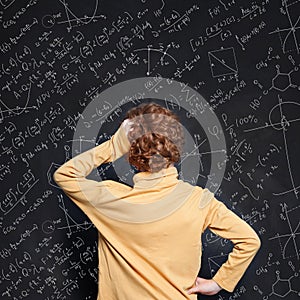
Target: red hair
{"type": "Point", "coordinates": [156, 137]}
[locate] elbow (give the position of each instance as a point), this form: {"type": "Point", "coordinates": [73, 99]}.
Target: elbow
{"type": "Point", "coordinates": [249, 245]}
{"type": "Point", "coordinates": [255, 243]}
{"type": "Point", "coordinates": [57, 176]}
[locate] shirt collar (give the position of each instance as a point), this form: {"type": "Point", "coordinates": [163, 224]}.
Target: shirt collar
{"type": "Point", "coordinates": [164, 177]}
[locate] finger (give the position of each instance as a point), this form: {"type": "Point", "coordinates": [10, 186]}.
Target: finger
{"type": "Point", "coordinates": [193, 290]}
{"type": "Point", "coordinates": [127, 125]}
{"type": "Point", "coordinates": [126, 122]}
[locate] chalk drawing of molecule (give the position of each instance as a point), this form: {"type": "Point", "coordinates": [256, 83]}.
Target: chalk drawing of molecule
{"type": "Point", "coordinates": [283, 287]}
{"type": "Point", "coordinates": [282, 81]}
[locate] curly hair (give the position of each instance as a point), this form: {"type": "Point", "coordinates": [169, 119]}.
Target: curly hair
{"type": "Point", "coordinates": [156, 137]}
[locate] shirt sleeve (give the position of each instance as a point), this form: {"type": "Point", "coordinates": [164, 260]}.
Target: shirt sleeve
{"type": "Point", "coordinates": [71, 176]}
{"type": "Point", "coordinates": [223, 222]}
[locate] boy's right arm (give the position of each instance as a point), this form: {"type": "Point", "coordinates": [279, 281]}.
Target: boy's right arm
{"type": "Point", "coordinates": [71, 176]}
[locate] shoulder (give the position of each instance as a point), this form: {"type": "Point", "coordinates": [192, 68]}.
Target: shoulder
{"type": "Point", "coordinates": [202, 195]}
{"type": "Point", "coordinates": [205, 196]}
{"type": "Point", "coordinates": [115, 185]}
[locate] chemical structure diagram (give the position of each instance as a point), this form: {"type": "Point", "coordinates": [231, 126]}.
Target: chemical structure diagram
{"type": "Point", "coordinates": [283, 81]}
{"type": "Point", "coordinates": [282, 287]}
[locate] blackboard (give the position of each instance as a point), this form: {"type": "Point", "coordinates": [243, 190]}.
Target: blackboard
{"type": "Point", "coordinates": [228, 68]}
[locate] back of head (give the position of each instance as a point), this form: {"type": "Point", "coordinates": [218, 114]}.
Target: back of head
{"type": "Point", "coordinates": [156, 137]}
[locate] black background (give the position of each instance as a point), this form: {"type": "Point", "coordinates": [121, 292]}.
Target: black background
{"type": "Point", "coordinates": [241, 56]}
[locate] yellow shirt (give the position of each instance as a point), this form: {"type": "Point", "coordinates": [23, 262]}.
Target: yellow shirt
{"type": "Point", "coordinates": [150, 234]}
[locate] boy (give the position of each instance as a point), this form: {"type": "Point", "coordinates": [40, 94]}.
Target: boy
{"type": "Point", "coordinates": [150, 234]}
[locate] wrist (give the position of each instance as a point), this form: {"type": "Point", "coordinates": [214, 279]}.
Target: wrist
{"type": "Point", "coordinates": [217, 285]}
{"type": "Point", "coordinates": [120, 142]}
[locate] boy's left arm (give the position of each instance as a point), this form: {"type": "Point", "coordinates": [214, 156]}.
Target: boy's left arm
{"type": "Point", "coordinates": [223, 222]}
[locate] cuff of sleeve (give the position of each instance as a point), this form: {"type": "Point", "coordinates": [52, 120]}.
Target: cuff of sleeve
{"type": "Point", "coordinates": [229, 287]}
{"type": "Point", "coordinates": [120, 142]}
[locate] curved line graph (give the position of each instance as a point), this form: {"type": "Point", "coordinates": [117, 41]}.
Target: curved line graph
{"type": "Point", "coordinates": [291, 237]}
{"type": "Point", "coordinates": [291, 31]}
{"type": "Point", "coordinates": [71, 223]}
{"type": "Point", "coordinates": [16, 111]}
{"type": "Point", "coordinates": [161, 59]}
{"type": "Point", "coordinates": [77, 19]}
{"type": "Point", "coordinates": [282, 126]}
{"type": "Point", "coordinates": [158, 50]}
